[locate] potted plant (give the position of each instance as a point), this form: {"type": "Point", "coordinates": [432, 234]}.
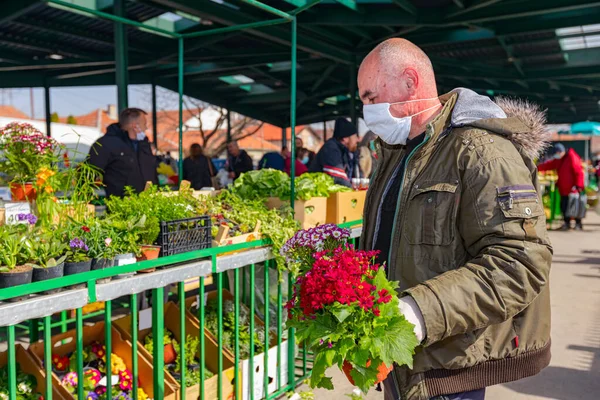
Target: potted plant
{"type": "Point", "coordinates": [47, 256]}
{"type": "Point", "coordinates": [148, 230]}
{"type": "Point", "coordinates": [99, 239]}
{"type": "Point", "coordinates": [78, 260]}
{"type": "Point", "coordinates": [28, 156]}
{"type": "Point", "coordinates": [14, 255]}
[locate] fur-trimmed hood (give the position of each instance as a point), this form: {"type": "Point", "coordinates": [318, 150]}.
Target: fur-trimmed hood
{"type": "Point", "coordinates": [520, 121]}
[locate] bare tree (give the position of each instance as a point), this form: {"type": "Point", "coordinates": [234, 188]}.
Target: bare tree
{"type": "Point", "coordinates": [214, 138]}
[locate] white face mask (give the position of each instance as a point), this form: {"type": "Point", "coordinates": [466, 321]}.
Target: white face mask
{"type": "Point", "coordinates": [140, 136]}
{"type": "Point", "coordinates": [390, 129]}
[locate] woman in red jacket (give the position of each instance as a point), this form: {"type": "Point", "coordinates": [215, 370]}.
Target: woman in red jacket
{"type": "Point", "coordinates": [570, 178]}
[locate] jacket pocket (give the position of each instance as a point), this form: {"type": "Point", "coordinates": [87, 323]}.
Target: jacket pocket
{"type": "Point", "coordinates": [522, 203]}
{"type": "Point", "coordinates": [432, 213]}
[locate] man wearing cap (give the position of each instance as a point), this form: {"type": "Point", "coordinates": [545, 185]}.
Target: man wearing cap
{"type": "Point", "coordinates": [335, 157]}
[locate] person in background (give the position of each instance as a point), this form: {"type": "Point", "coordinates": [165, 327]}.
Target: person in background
{"type": "Point", "coordinates": [310, 154]}
{"type": "Point", "coordinates": [567, 165]}
{"type": "Point", "coordinates": [273, 160]}
{"type": "Point", "coordinates": [238, 161]}
{"type": "Point", "coordinates": [301, 168]}
{"type": "Point", "coordinates": [198, 169]}
{"type": "Point", "coordinates": [334, 157]}
{"type": "Point", "coordinates": [124, 154]}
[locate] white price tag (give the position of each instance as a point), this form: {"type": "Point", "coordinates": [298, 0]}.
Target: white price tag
{"type": "Point", "coordinates": [14, 209]}
{"type": "Point", "coordinates": [145, 319]}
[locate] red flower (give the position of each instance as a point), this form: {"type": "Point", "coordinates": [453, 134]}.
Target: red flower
{"type": "Point", "coordinates": [85, 228]}
{"type": "Point", "coordinates": [384, 296]}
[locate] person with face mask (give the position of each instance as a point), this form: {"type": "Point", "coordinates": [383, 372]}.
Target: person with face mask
{"type": "Point", "coordinates": [334, 157]}
{"type": "Point", "coordinates": [124, 154]}
{"type": "Point", "coordinates": [454, 210]}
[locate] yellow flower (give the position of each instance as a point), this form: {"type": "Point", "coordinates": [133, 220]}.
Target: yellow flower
{"type": "Point", "coordinates": [142, 395]}
{"type": "Point", "coordinates": [117, 364]}
{"type": "Point", "coordinates": [43, 175]}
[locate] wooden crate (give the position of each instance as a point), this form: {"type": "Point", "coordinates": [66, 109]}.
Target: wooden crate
{"type": "Point", "coordinates": [223, 239]}
{"type": "Point", "coordinates": [171, 322]}
{"type": "Point", "coordinates": [309, 213]}
{"type": "Point", "coordinates": [66, 343]}
{"type": "Point", "coordinates": [346, 206]}
{"type": "Point", "coordinates": [29, 365]}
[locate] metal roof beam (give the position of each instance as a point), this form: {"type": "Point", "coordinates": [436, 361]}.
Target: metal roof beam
{"type": "Point", "coordinates": [351, 4]}
{"type": "Point", "coordinates": [14, 9]}
{"type": "Point", "coordinates": [406, 5]}
{"type": "Point", "coordinates": [226, 16]}
{"type": "Point", "coordinates": [511, 56]}
{"type": "Point", "coordinates": [460, 9]}
{"type": "Point", "coordinates": [539, 24]}
{"type": "Point", "coordinates": [520, 9]}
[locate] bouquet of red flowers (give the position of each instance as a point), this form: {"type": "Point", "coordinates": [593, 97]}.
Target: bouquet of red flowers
{"type": "Point", "coordinates": [345, 309]}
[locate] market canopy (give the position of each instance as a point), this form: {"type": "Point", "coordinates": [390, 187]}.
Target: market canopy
{"type": "Point", "coordinates": [545, 51]}
{"type": "Point", "coordinates": [586, 128]}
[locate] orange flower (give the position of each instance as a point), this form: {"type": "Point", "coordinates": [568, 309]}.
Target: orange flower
{"type": "Point", "coordinates": [43, 175]}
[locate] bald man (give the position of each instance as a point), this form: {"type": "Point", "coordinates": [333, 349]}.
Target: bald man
{"type": "Point", "coordinates": [454, 210]}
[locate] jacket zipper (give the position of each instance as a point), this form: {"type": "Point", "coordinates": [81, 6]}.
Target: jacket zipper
{"type": "Point", "coordinates": [372, 188]}
{"type": "Point", "coordinates": [408, 158]}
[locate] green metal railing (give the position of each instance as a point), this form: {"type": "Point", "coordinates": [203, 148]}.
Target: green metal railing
{"type": "Point", "coordinates": [124, 293]}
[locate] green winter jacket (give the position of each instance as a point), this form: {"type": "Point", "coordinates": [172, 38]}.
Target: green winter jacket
{"type": "Point", "coordinates": [469, 244]}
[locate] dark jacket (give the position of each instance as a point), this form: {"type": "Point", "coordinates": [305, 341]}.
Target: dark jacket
{"type": "Point", "coordinates": [469, 245]}
{"type": "Point", "coordinates": [272, 160]}
{"type": "Point", "coordinates": [240, 164]}
{"type": "Point", "coordinates": [198, 171]}
{"type": "Point", "coordinates": [334, 159]}
{"type": "Point", "coordinates": [123, 165]}
{"type": "Point", "coordinates": [569, 170]}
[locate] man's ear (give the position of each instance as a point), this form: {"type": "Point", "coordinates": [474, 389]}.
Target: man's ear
{"type": "Point", "coordinates": [411, 80]}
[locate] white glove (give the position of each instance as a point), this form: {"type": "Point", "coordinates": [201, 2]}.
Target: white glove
{"type": "Point", "coordinates": [412, 313]}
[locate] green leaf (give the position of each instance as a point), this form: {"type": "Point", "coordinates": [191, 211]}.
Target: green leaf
{"type": "Point", "coordinates": [364, 378]}
{"type": "Point", "coordinates": [396, 342]}
{"type": "Point", "coordinates": [342, 312]}
{"type": "Point", "coordinates": [323, 360]}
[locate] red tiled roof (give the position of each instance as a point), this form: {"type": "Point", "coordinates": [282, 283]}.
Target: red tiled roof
{"type": "Point", "coordinates": [12, 112]}
{"type": "Point", "coordinates": [169, 141]}
{"type": "Point", "coordinates": [91, 119]}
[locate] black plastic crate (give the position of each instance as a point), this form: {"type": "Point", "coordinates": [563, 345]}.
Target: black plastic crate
{"type": "Point", "coordinates": [183, 235]}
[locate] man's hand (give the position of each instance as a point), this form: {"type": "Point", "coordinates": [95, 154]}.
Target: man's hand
{"type": "Point", "coordinates": [412, 313]}
{"type": "Point", "coordinates": [232, 175]}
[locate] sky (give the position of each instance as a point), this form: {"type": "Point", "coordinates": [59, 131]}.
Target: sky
{"type": "Point", "coordinates": [74, 100]}
{"type": "Point", "coordinates": [83, 100]}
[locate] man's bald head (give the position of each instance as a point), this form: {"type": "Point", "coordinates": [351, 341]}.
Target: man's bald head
{"type": "Point", "coordinates": [398, 71]}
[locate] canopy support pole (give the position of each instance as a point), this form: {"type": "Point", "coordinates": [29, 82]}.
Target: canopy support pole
{"type": "Point", "coordinates": [121, 62]}
{"type": "Point", "coordinates": [154, 122]}
{"type": "Point", "coordinates": [180, 86]}
{"type": "Point", "coordinates": [353, 93]}
{"type": "Point", "coordinates": [324, 131]}
{"type": "Point", "coordinates": [228, 125]}
{"type": "Point", "coordinates": [47, 108]}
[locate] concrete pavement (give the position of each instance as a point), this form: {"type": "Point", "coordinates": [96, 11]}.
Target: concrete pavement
{"type": "Point", "coordinates": [574, 372]}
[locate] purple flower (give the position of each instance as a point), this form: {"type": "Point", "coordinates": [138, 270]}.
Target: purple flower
{"type": "Point", "coordinates": [30, 218]}
{"type": "Point", "coordinates": [329, 345]}
{"type": "Point", "coordinates": [78, 244]}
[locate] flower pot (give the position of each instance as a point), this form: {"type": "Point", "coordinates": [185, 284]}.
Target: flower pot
{"type": "Point", "coordinates": [383, 371]}
{"type": "Point", "coordinates": [19, 275]}
{"type": "Point", "coordinates": [72, 268]}
{"type": "Point", "coordinates": [124, 259]}
{"type": "Point", "coordinates": [149, 253]}
{"type": "Point", "coordinates": [43, 274]}
{"type": "Point", "coordinates": [22, 191]}
{"type": "Point", "coordinates": [102, 263]}
{"type": "Point", "coordinates": [169, 354]}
